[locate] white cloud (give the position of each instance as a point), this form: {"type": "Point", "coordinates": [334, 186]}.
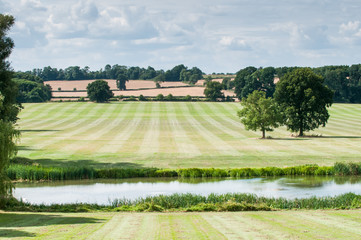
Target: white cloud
{"type": "Point", "coordinates": [234, 44]}
{"type": "Point", "coordinates": [220, 36]}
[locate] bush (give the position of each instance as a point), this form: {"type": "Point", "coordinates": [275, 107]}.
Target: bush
{"type": "Point", "coordinates": [169, 97]}
{"type": "Point", "coordinates": [142, 98]}
{"type": "Point", "coordinates": [159, 97]}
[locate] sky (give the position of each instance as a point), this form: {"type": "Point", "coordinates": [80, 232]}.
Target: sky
{"type": "Point", "coordinates": [214, 35]}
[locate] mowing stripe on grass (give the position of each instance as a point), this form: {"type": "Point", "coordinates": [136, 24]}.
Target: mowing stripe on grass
{"type": "Point", "coordinates": [150, 144]}
{"type": "Point", "coordinates": [72, 129]}
{"type": "Point", "coordinates": [90, 143]}
{"type": "Point", "coordinates": [184, 143]}
{"type": "Point", "coordinates": [125, 132]}
{"type": "Point", "coordinates": [216, 142]}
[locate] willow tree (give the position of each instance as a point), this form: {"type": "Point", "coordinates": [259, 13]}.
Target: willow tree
{"type": "Point", "coordinates": [9, 109]}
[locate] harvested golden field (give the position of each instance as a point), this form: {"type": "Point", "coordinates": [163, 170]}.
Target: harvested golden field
{"type": "Point", "coordinates": [182, 91]}
{"type": "Point", "coordinates": [78, 84]}
{"type": "Point", "coordinates": [134, 88]}
{"type": "Point", "coordinates": [131, 84]}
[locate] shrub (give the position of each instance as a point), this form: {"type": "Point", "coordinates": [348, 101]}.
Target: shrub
{"type": "Point", "coordinates": [142, 98]}
{"type": "Point", "coordinates": [159, 97]}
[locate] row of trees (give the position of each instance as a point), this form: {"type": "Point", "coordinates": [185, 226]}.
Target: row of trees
{"type": "Point", "coordinates": [178, 73]}
{"type": "Point", "coordinates": [345, 81]}
{"type": "Point", "coordinates": [300, 102]}
{"type": "Point", "coordinates": [31, 91]}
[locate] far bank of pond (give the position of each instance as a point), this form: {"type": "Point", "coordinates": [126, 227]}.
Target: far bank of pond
{"type": "Point", "coordinates": [106, 191]}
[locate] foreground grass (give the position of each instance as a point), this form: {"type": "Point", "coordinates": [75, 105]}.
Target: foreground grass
{"type": "Point", "coordinates": [176, 135]}
{"type": "Point", "coordinates": [328, 224]}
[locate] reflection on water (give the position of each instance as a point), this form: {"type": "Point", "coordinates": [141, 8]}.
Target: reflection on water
{"type": "Point", "coordinates": [106, 190]}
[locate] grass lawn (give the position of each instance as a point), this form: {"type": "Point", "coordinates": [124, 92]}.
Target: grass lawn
{"type": "Point", "coordinates": [176, 135]}
{"type": "Point", "coordinates": [325, 224]}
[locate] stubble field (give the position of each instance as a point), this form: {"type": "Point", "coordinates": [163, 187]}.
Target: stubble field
{"type": "Point", "coordinates": [176, 135]}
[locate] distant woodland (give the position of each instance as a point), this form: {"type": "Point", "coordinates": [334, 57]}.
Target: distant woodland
{"type": "Point", "coordinates": [344, 80]}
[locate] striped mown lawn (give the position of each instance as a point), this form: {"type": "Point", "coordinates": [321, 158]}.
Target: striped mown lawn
{"type": "Point", "coordinates": [324, 224]}
{"type": "Point", "coordinates": [176, 134]}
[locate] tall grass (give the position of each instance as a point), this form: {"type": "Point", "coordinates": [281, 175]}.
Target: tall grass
{"type": "Point", "coordinates": [191, 202]}
{"type": "Point", "coordinates": [36, 173]}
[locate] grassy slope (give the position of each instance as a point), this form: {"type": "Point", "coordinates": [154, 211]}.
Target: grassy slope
{"type": "Point", "coordinates": [241, 225]}
{"type": "Point", "coordinates": [176, 134]}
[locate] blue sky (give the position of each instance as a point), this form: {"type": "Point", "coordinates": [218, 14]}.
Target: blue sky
{"type": "Point", "coordinates": [214, 35]}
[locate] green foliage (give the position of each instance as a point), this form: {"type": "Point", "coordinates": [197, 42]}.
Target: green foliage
{"type": "Point", "coordinates": [260, 113]}
{"type": "Point", "coordinates": [304, 100]}
{"type": "Point", "coordinates": [347, 168]}
{"type": "Point", "coordinates": [227, 83]}
{"type": "Point", "coordinates": [196, 203]}
{"type": "Point", "coordinates": [169, 97]}
{"type": "Point", "coordinates": [142, 98]}
{"type": "Point", "coordinates": [8, 136]}
{"type": "Point", "coordinates": [159, 97]}
{"type": "Point", "coordinates": [251, 79]}
{"type": "Point", "coordinates": [122, 78]}
{"type": "Point", "coordinates": [30, 91]}
{"type": "Point", "coordinates": [99, 91]}
{"type": "Point", "coordinates": [213, 91]}
{"type": "Point", "coordinates": [8, 88]}
{"type": "Point", "coordinates": [22, 169]}
{"type": "Point", "coordinates": [9, 108]}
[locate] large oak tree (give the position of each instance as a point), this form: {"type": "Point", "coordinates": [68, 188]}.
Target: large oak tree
{"type": "Point", "coordinates": [304, 100]}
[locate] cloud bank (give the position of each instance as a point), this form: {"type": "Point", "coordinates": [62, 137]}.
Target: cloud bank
{"type": "Point", "coordinates": [217, 36]}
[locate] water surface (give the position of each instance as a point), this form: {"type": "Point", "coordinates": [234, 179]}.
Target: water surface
{"type": "Point", "coordinates": [105, 191]}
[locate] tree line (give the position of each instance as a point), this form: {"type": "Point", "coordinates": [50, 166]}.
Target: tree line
{"type": "Point", "coordinates": [177, 73]}
{"type": "Point", "coordinates": [345, 81]}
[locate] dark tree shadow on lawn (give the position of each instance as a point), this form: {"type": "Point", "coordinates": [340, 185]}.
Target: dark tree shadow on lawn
{"type": "Point", "coordinates": [287, 139]}
{"type": "Point", "coordinates": [8, 219]}
{"type": "Point", "coordinates": [17, 220]}
{"type": "Point", "coordinates": [24, 148]}
{"type": "Point", "coordinates": [38, 130]}
{"type": "Point", "coordinates": [10, 233]}
{"type": "Point", "coordinates": [84, 163]}
{"type": "Point", "coordinates": [351, 137]}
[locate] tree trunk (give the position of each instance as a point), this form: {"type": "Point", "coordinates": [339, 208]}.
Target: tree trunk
{"type": "Point", "coordinates": [263, 133]}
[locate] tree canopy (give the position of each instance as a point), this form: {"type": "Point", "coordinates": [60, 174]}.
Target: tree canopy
{"type": "Point", "coordinates": [260, 113]}
{"type": "Point", "coordinates": [304, 100]}
{"type": "Point", "coordinates": [30, 91]}
{"type": "Point", "coordinates": [9, 109]}
{"type": "Point", "coordinates": [99, 91]}
{"type": "Point", "coordinates": [213, 91]}
{"type": "Point", "coordinates": [251, 79]}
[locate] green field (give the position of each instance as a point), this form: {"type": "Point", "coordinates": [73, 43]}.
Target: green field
{"type": "Point", "coordinates": [176, 135]}
{"type": "Point", "coordinates": [326, 224]}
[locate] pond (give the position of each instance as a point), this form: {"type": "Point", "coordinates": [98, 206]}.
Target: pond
{"type": "Point", "coordinates": [105, 191]}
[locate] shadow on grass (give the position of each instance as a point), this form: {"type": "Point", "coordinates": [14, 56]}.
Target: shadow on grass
{"type": "Point", "coordinates": [36, 220]}
{"type": "Point", "coordinates": [24, 148]}
{"type": "Point", "coordinates": [287, 139]}
{"type": "Point", "coordinates": [10, 233]}
{"type": "Point", "coordinates": [39, 130]}
{"type": "Point", "coordinates": [84, 163]}
{"type": "Point", "coordinates": [19, 220]}
{"type": "Point", "coordinates": [359, 137]}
